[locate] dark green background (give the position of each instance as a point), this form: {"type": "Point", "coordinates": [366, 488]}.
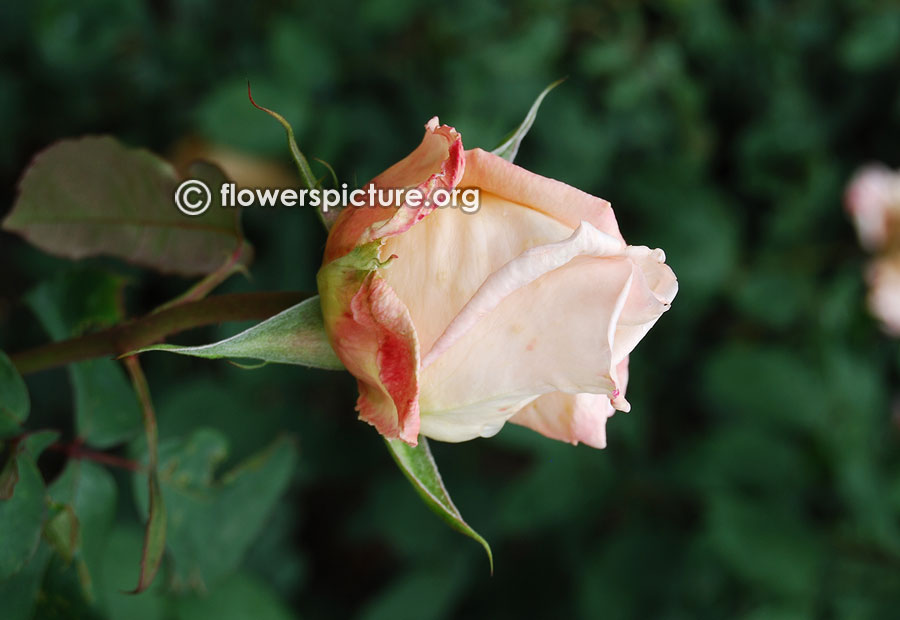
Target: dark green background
{"type": "Point", "coordinates": [757, 475]}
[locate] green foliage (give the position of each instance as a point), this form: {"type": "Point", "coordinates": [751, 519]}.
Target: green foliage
{"type": "Point", "coordinates": [87, 493]}
{"type": "Point", "coordinates": [21, 517]}
{"type": "Point", "coordinates": [95, 196]}
{"type": "Point", "coordinates": [236, 598]}
{"type": "Point", "coordinates": [106, 409]}
{"type": "Point", "coordinates": [212, 522]}
{"type": "Point", "coordinates": [19, 592]}
{"type": "Point", "coordinates": [13, 397]}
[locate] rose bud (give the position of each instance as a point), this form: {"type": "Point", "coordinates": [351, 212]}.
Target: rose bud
{"type": "Point", "coordinates": [455, 322]}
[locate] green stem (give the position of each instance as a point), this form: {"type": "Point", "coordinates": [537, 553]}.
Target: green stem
{"type": "Point", "coordinates": [75, 450]}
{"type": "Point", "coordinates": [157, 517]}
{"type": "Point", "coordinates": [153, 328]}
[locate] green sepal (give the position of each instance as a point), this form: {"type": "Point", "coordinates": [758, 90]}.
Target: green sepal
{"type": "Point", "coordinates": [293, 336]}
{"type": "Point", "coordinates": [420, 469]}
{"type": "Point", "coordinates": [509, 147]}
{"type": "Point", "coordinates": [306, 175]}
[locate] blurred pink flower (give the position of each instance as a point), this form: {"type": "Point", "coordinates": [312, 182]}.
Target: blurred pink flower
{"type": "Point", "coordinates": [873, 200]}
{"type": "Point", "coordinates": [884, 291]}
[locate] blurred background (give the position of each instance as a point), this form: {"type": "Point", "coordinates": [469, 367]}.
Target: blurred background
{"type": "Point", "coordinates": [758, 474]}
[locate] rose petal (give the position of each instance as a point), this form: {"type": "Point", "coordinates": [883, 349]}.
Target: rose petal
{"type": "Point", "coordinates": [521, 327]}
{"type": "Point", "coordinates": [573, 418]}
{"type": "Point", "coordinates": [451, 253]}
{"type": "Point", "coordinates": [566, 204]}
{"type": "Point", "coordinates": [377, 342]}
{"type": "Point", "coordinates": [429, 158]}
{"type": "Point", "coordinates": [449, 175]}
{"type": "Point", "coordinates": [439, 160]}
{"type": "Point", "coordinates": [652, 287]}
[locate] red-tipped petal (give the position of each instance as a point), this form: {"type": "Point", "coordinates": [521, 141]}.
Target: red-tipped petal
{"type": "Point", "coordinates": [438, 161]}
{"type": "Point", "coordinates": [377, 341]}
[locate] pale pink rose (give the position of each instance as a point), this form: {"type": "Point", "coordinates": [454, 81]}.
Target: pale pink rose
{"type": "Point", "coordinates": [884, 291]}
{"type": "Point", "coordinates": [455, 323]}
{"type": "Point", "coordinates": [873, 200]}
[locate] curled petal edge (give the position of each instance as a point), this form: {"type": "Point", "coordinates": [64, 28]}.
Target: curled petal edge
{"type": "Point", "coordinates": [448, 177]}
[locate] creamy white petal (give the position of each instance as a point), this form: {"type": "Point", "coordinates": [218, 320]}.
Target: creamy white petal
{"type": "Point", "coordinates": [442, 260]}
{"type": "Point", "coordinates": [544, 323]}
